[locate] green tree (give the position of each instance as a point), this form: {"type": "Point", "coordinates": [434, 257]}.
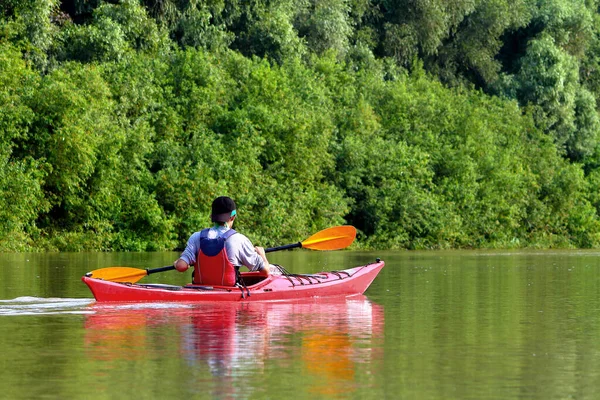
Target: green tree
{"type": "Point", "coordinates": [264, 28]}
{"type": "Point", "coordinates": [325, 25]}
{"type": "Point", "coordinates": [473, 51]}
{"type": "Point", "coordinates": [417, 27]}
{"type": "Point", "coordinates": [548, 79]}
{"type": "Point", "coordinates": [21, 197]}
{"type": "Point", "coordinates": [115, 31]}
{"type": "Point", "coordinates": [29, 24]}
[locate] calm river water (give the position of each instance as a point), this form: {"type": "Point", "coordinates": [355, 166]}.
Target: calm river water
{"type": "Point", "coordinates": [434, 325]}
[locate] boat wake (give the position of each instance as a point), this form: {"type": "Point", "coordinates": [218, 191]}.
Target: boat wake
{"type": "Point", "coordinates": [28, 305]}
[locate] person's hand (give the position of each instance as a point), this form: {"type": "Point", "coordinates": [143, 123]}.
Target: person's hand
{"type": "Point", "coordinates": [181, 265]}
{"type": "Point", "coordinates": [260, 251]}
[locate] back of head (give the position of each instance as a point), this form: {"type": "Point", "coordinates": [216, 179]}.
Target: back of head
{"type": "Point", "coordinates": [223, 208]}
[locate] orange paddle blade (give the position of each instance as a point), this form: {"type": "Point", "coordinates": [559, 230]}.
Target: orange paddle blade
{"type": "Point", "coordinates": [335, 238]}
{"type": "Point", "coordinates": [118, 274]}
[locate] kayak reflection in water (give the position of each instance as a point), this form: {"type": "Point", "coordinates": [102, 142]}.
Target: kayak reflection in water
{"type": "Point", "coordinates": [218, 252]}
{"type": "Point", "coordinates": [325, 339]}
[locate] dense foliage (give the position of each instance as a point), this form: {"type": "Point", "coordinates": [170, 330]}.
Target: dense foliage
{"type": "Point", "coordinates": [425, 124]}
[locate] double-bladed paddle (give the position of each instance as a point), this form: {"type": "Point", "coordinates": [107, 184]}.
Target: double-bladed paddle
{"type": "Point", "coordinates": [335, 238]}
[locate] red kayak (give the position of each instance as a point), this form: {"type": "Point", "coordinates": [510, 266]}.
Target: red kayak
{"type": "Point", "coordinates": [256, 287]}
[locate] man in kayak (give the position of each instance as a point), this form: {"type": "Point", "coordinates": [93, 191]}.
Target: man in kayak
{"type": "Point", "coordinates": [217, 253]}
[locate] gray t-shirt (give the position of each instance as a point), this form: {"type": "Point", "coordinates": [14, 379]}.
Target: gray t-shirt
{"type": "Point", "coordinates": [240, 249]}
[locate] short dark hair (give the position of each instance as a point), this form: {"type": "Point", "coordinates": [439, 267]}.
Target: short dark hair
{"type": "Point", "coordinates": [222, 208]}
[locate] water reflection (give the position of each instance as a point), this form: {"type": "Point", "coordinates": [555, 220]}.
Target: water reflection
{"type": "Point", "coordinates": [327, 340]}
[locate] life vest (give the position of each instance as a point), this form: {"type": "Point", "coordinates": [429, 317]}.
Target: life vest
{"type": "Point", "coordinates": [212, 264]}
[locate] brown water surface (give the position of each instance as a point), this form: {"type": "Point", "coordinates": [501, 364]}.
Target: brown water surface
{"type": "Point", "coordinates": [434, 325]}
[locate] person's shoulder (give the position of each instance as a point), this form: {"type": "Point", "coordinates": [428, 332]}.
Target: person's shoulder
{"type": "Point", "coordinates": [239, 237]}
{"type": "Point", "coordinates": [197, 234]}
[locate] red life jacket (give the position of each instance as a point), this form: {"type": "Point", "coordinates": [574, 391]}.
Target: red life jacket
{"type": "Point", "coordinates": [212, 264]}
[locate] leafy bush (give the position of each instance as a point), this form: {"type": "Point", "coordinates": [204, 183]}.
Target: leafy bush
{"type": "Point", "coordinates": [430, 125]}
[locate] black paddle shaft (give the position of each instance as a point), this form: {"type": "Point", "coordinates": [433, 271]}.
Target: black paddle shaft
{"type": "Point", "coordinates": [285, 247]}
{"type": "Point", "coordinates": [161, 269]}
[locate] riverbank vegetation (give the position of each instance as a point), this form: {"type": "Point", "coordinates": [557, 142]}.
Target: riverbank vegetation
{"type": "Point", "coordinates": [465, 124]}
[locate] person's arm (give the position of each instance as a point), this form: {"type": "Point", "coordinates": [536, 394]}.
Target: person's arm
{"type": "Point", "coordinates": [246, 254]}
{"type": "Point", "coordinates": [189, 254]}
{"type": "Point", "coordinates": [262, 254]}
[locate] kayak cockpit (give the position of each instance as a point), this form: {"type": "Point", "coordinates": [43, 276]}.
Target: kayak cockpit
{"type": "Point", "coordinates": [252, 278]}
{"type": "Point", "coordinates": [246, 280]}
